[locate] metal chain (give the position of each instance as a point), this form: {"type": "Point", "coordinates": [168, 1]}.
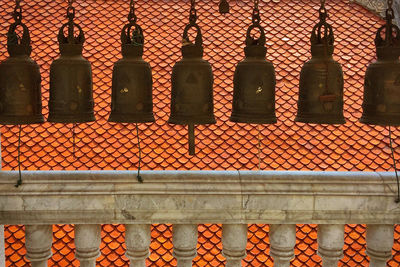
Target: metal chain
{"type": "Point", "coordinates": [193, 13]}
{"type": "Point", "coordinates": [256, 13]}
{"type": "Point", "coordinates": [132, 17]}
{"type": "Point", "coordinates": [17, 11]}
{"type": "Point", "coordinates": [323, 14]}
{"type": "Point", "coordinates": [389, 11]}
{"type": "Point", "coordinates": [71, 10]}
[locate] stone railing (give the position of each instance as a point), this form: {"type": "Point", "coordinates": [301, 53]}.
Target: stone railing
{"type": "Point", "coordinates": [282, 199]}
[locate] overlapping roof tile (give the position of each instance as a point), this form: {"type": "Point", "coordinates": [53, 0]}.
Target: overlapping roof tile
{"type": "Point", "coordinates": [284, 146]}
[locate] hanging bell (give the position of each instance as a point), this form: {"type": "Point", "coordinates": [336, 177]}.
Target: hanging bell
{"type": "Point", "coordinates": [321, 80]}
{"type": "Point", "coordinates": [223, 7]}
{"type": "Point", "coordinates": [71, 97]}
{"type": "Point", "coordinates": [20, 91]}
{"type": "Point", "coordinates": [132, 81]}
{"type": "Point", "coordinates": [381, 104]}
{"type": "Point", "coordinates": [192, 87]}
{"type": "Point", "coordinates": [254, 84]}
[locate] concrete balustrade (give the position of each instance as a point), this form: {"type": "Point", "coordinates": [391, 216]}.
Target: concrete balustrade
{"type": "Point", "coordinates": [185, 199]}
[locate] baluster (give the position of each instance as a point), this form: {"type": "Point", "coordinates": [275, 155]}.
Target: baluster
{"type": "Point", "coordinates": [38, 241]}
{"type": "Point", "coordinates": [87, 242]}
{"type": "Point", "coordinates": [380, 241]}
{"type": "Point", "coordinates": [330, 243]}
{"type": "Point", "coordinates": [137, 241]}
{"type": "Point", "coordinates": [185, 241]}
{"type": "Point", "coordinates": [234, 241]}
{"type": "Point", "coordinates": [283, 239]}
{"type": "Point", "coordinates": [2, 247]}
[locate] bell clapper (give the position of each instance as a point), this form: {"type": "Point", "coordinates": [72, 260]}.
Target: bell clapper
{"type": "Point", "coordinates": [192, 151]}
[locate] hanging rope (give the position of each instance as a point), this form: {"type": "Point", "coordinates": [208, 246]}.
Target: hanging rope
{"type": "Point", "coordinates": [139, 178]}
{"type": "Point", "coordinates": [394, 166]}
{"type": "Point", "coordinates": [259, 147]}
{"type": "Point", "coordinates": [19, 182]}
{"type": "Point", "coordinates": [73, 141]}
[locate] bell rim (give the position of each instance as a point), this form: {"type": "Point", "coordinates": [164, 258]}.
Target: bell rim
{"type": "Point", "coordinates": [326, 120]}
{"type": "Point", "coordinates": [247, 119]}
{"type": "Point", "coordinates": [187, 121]}
{"type": "Point", "coordinates": [21, 120]}
{"type": "Point", "coordinates": [71, 118]}
{"type": "Point", "coordinates": [379, 120]}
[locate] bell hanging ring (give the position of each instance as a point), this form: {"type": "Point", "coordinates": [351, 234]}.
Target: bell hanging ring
{"type": "Point", "coordinates": [132, 80]}
{"type": "Point", "coordinates": [321, 80]}
{"type": "Point", "coordinates": [192, 87]}
{"type": "Point", "coordinates": [20, 89]}
{"type": "Point", "coordinates": [381, 104]}
{"type": "Point", "coordinates": [254, 84]}
{"type": "Point", "coordinates": [71, 97]}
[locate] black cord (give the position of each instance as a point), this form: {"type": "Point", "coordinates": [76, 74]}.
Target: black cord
{"type": "Point", "coordinates": [73, 141]}
{"type": "Point", "coordinates": [19, 182]}
{"type": "Point", "coordinates": [394, 166]}
{"type": "Point", "coordinates": [139, 178]}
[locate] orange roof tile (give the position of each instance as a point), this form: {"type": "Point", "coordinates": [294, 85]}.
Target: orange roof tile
{"type": "Point", "coordinates": [284, 146]}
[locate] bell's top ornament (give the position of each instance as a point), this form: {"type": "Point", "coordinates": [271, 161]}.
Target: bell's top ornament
{"type": "Point", "coordinates": [190, 49]}
{"type": "Point", "coordinates": [20, 88]}
{"type": "Point", "coordinates": [15, 45]}
{"type": "Point", "coordinates": [70, 44]}
{"type": "Point", "coordinates": [255, 44]}
{"type": "Point", "coordinates": [322, 43]}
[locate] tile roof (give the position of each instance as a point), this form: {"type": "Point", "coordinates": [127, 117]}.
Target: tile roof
{"type": "Point", "coordinates": [284, 146]}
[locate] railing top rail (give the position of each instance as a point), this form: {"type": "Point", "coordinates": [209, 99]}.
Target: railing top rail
{"type": "Point", "coordinates": [198, 197]}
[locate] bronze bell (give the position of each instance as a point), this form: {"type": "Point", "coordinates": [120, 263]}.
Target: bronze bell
{"type": "Point", "coordinates": [381, 105]}
{"type": "Point", "coordinates": [223, 7]}
{"type": "Point", "coordinates": [254, 84]}
{"type": "Point", "coordinates": [132, 81]}
{"type": "Point", "coordinates": [20, 90]}
{"type": "Point", "coordinates": [321, 80]}
{"type": "Point", "coordinates": [71, 97]}
{"type": "Point", "coordinates": [192, 87]}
